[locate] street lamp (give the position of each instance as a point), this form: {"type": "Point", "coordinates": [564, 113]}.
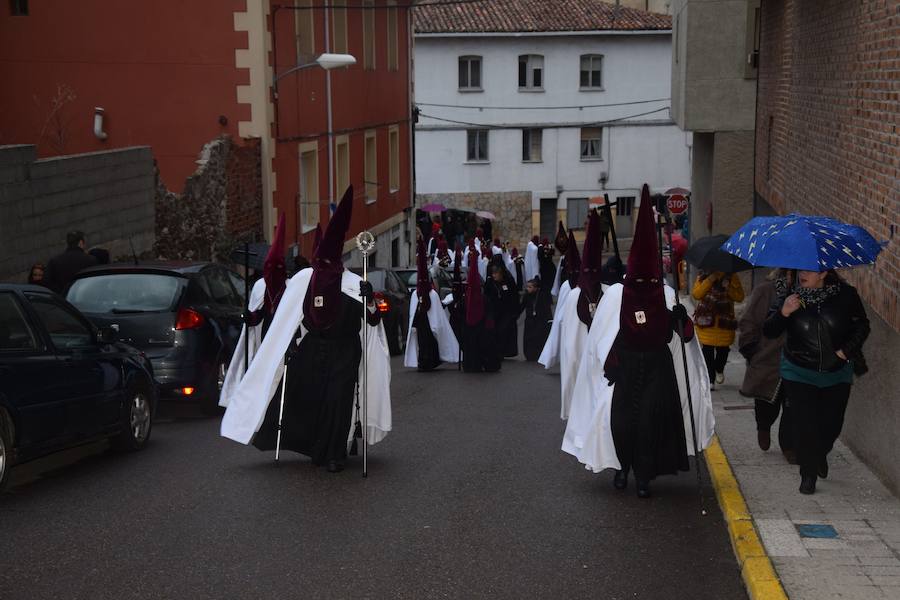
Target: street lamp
{"type": "Point", "coordinates": [326, 61]}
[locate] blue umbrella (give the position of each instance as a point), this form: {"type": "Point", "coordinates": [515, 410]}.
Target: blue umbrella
{"type": "Point", "coordinates": [808, 243]}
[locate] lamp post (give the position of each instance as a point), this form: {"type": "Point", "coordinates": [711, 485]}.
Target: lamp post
{"type": "Point", "coordinates": [326, 61]}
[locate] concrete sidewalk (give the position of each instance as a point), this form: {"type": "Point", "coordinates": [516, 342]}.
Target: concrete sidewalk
{"type": "Point", "coordinates": [843, 542]}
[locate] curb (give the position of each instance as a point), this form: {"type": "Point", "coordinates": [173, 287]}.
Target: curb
{"type": "Point", "coordinates": [756, 568]}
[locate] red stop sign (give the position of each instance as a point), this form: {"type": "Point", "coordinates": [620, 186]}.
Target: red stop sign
{"type": "Point", "coordinates": [677, 204]}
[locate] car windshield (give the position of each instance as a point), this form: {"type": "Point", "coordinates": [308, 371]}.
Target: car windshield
{"type": "Point", "coordinates": [126, 293]}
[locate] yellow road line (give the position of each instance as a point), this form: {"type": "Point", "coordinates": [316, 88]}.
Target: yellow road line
{"type": "Point", "coordinates": [756, 567]}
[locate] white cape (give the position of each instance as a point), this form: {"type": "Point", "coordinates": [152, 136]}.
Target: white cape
{"type": "Point", "coordinates": [588, 434]}
{"type": "Point", "coordinates": [532, 266]}
{"type": "Point", "coordinates": [550, 354]}
{"type": "Point", "coordinates": [511, 267]}
{"type": "Point", "coordinates": [236, 368]}
{"type": "Point", "coordinates": [247, 407]}
{"type": "Point", "coordinates": [573, 335]}
{"type": "Point", "coordinates": [448, 347]}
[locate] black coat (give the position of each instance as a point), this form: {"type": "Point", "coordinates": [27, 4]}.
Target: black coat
{"type": "Point", "coordinates": [816, 332]}
{"type": "Point", "coordinates": [61, 269]}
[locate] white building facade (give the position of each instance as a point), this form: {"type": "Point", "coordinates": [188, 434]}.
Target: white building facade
{"type": "Point", "coordinates": [536, 124]}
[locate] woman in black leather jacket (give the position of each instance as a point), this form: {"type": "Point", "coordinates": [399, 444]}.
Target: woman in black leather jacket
{"type": "Point", "coordinates": [826, 326]}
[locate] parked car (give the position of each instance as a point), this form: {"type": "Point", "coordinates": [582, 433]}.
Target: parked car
{"type": "Point", "coordinates": [64, 382]}
{"type": "Point", "coordinates": [186, 317]}
{"type": "Point", "coordinates": [392, 300]}
{"type": "Point", "coordinates": [442, 278]}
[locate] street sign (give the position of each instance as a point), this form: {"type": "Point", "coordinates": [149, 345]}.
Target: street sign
{"type": "Point", "coordinates": [677, 204]}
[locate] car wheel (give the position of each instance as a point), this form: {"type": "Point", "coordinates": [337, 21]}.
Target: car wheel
{"type": "Point", "coordinates": [5, 452]}
{"type": "Point", "coordinates": [138, 419]}
{"type": "Point", "coordinates": [209, 403]}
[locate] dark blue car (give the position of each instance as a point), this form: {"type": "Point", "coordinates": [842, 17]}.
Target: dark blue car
{"type": "Point", "coordinates": [186, 317]}
{"type": "Point", "coordinates": [63, 382]}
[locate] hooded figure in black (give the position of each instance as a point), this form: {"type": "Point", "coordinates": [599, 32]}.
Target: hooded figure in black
{"type": "Point", "coordinates": [428, 351]}
{"type": "Point", "coordinates": [538, 318]}
{"type": "Point", "coordinates": [646, 414]}
{"type": "Point", "coordinates": [323, 363]}
{"type": "Point", "coordinates": [481, 351]}
{"type": "Point", "coordinates": [502, 303]}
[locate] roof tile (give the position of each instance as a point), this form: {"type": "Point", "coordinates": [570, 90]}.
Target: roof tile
{"type": "Point", "coordinates": [518, 16]}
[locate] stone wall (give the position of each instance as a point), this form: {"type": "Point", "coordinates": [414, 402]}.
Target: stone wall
{"type": "Point", "coordinates": [108, 195]}
{"type": "Point", "coordinates": [512, 209]}
{"type": "Point", "coordinates": [221, 204]}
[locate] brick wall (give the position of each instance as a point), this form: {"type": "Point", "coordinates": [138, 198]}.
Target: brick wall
{"type": "Point", "coordinates": [108, 195]}
{"type": "Point", "coordinates": [827, 119]}
{"type": "Point", "coordinates": [221, 204]}
{"type": "Point", "coordinates": [827, 143]}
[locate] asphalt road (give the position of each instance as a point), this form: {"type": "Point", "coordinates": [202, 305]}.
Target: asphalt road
{"type": "Point", "coordinates": [469, 497]}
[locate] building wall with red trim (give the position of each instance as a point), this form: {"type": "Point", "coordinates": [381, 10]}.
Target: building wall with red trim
{"type": "Point", "coordinates": [163, 71]}
{"type": "Point", "coordinates": [362, 100]}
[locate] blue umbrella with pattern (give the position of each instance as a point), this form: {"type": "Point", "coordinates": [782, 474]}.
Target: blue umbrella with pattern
{"type": "Point", "coordinates": [808, 243]}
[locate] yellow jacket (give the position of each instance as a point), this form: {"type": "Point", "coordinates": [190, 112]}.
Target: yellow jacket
{"type": "Point", "coordinates": [715, 334]}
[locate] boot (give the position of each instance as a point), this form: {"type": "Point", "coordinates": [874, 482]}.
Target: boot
{"type": "Point", "coordinates": [764, 438]}
{"type": "Point", "coordinates": [823, 468]}
{"type": "Point", "coordinates": [335, 466]}
{"type": "Point", "coordinates": [790, 456]}
{"type": "Point", "coordinates": [620, 480]}
{"type": "Point", "coordinates": [808, 484]}
{"type": "Point", "coordinates": [643, 489]}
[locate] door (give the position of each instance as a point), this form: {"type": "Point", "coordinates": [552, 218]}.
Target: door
{"type": "Point", "coordinates": [91, 397]}
{"type": "Point", "coordinates": [32, 380]}
{"type": "Point", "coordinates": [624, 216]}
{"type": "Point", "coordinates": [226, 308]}
{"type": "Point", "coordinates": [548, 218]}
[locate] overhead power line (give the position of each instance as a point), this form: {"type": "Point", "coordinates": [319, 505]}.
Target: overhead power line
{"type": "Point", "coordinates": [561, 126]}
{"type": "Point", "coordinates": [579, 106]}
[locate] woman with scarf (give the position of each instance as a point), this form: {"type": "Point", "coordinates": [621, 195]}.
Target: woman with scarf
{"type": "Point", "coordinates": [825, 326]}
{"type": "Point", "coordinates": [715, 320]}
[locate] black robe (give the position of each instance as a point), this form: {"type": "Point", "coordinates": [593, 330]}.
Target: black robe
{"type": "Point", "coordinates": [502, 302]}
{"type": "Point", "coordinates": [429, 354]}
{"type": "Point", "coordinates": [645, 417]}
{"type": "Point", "coordinates": [538, 320]}
{"type": "Point", "coordinates": [321, 387]}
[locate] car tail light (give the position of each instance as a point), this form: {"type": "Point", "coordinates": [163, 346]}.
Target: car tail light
{"type": "Point", "coordinates": [188, 319]}
{"type": "Point", "coordinates": [381, 303]}
{"type": "Point", "coordinates": [187, 391]}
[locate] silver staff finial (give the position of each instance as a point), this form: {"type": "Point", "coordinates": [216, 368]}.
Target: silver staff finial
{"type": "Point", "coordinates": [365, 241]}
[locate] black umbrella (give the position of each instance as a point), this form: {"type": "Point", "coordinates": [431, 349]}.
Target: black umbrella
{"type": "Point", "coordinates": [706, 253]}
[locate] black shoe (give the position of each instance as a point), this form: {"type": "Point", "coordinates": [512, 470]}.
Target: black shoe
{"type": "Point", "coordinates": [620, 480]}
{"type": "Point", "coordinates": [764, 439]}
{"type": "Point", "coordinates": [790, 456]}
{"type": "Point", "coordinates": [823, 468]}
{"type": "Point", "coordinates": [643, 489]}
{"type": "Point", "coordinates": [808, 484]}
{"type": "Point", "coordinates": [334, 466]}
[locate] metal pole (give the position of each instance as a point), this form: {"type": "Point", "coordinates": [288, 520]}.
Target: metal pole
{"type": "Point", "coordinates": [684, 363]}
{"type": "Point", "coordinates": [281, 412]}
{"type": "Point", "coordinates": [246, 307]}
{"type": "Point", "coordinates": [365, 241]}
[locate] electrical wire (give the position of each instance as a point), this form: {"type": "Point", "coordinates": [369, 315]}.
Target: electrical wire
{"type": "Point", "coordinates": [580, 106]}
{"type": "Point", "coordinates": [560, 126]}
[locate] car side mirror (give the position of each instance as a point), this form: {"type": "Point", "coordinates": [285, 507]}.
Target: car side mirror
{"type": "Point", "coordinates": [107, 335]}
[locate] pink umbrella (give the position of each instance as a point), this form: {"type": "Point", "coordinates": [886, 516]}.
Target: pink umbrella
{"type": "Point", "coordinates": [434, 208]}
{"type": "Point", "coordinates": [485, 214]}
